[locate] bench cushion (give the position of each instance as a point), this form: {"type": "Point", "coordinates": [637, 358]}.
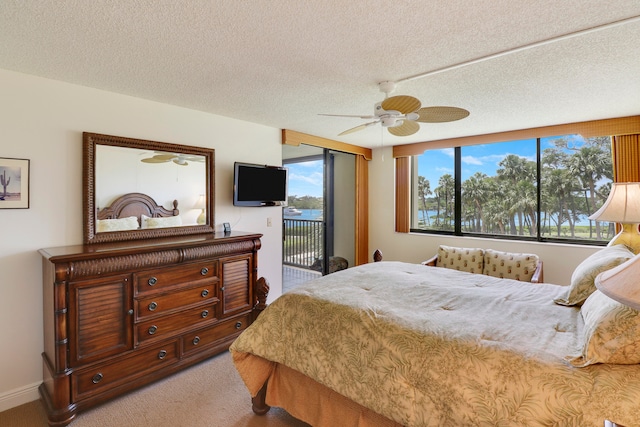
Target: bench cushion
{"type": "Point", "coordinates": [510, 265]}
{"type": "Point", "coordinates": [470, 260]}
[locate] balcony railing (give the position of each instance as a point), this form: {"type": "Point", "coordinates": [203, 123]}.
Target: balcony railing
{"type": "Point", "coordinates": [302, 242]}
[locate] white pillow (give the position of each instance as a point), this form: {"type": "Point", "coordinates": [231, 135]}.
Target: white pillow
{"type": "Point", "coordinates": [583, 277]}
{"type": "Point", "coordinates": [116, 224]}
{"type": "Point", "coordinates": [611, 332]}
{"type": "Point", "coordinates": [161, 222]}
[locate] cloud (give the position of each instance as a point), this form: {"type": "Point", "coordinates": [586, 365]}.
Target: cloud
{"type": "Point", "coordinates": [313, 179]}
{"type": "Point", "coordinates": [470, 160]}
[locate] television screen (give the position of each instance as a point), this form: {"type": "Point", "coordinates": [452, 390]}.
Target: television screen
{"type": "Point", "coordinates": [259, 185]}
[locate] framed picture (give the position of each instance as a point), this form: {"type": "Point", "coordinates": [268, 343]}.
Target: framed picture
{"type": "Point", "coordinates": [14, 183]}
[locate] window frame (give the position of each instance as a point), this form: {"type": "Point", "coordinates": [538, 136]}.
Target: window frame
{"type": "Point", "coordinates": [458, 181]}
{"type": "Point", "coordinates": [614, 128]}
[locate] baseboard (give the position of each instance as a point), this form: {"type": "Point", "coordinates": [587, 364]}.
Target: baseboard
{"type": "Point", "coordinates": [19, 396]}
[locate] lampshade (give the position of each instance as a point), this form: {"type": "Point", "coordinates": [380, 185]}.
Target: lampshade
{"type": "Point", "coordinates": [622, 205]}
{"type": "Point", "coordinates": [621, 283]}
{"type": "Point", "coordinates": [199, 203]}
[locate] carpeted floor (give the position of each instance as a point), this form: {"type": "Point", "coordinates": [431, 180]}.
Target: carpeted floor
{"type": "Point", "coordinates": [209, 394]}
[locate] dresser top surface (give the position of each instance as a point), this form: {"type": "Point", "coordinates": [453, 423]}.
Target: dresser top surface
{"type": "Point", "coordinates": [60, 253]}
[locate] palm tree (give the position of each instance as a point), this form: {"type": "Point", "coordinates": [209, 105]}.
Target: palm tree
{"type": "Point", "coordinates": [514, 169]}
{"type": "Point", "coordinates": [424, 190]}
{"type": "Point", "coordinates": [445, 193]}
{"type": "Point", "coordinates": [591, 163]}
{"type": "Point", "coordinates": [476, 190]}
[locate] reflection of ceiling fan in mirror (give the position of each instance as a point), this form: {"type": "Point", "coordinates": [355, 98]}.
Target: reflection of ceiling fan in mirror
{"type": "Point", "coordinates": [178, 159]}
{"type": "Point", "coordinates": [400, 114]}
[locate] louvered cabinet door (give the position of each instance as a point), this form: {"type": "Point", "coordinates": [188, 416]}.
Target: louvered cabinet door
{"type": "Point", "coordinates": [236, 285]}
{"type": "Point", "coordinates": [101, 318]}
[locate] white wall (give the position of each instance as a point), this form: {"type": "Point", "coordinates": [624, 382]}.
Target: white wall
{"type": "Point", "coordinates": [43, 120]}
{"type": "Point", "coordinates": [559, 259]}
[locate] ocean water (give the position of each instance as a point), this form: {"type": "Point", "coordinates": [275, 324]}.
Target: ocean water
{"type": "Point", "coordinates": [311, 214]}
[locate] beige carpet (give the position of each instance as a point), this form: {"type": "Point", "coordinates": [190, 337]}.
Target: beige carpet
{"type": "Point", "coordinates": [209, 394]}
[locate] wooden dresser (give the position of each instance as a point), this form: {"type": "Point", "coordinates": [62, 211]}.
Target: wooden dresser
{"type": "Point", "coordinates": [121, 315]}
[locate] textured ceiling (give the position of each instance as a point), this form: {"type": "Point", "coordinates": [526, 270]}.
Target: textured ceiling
{"type": "Point", "coordinates": [281, 63]}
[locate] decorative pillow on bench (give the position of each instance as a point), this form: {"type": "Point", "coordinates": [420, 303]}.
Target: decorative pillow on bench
{"type": "Point", "coordinates": [509, 265]}
{"type": "Point", "coordinates": [470, 260]}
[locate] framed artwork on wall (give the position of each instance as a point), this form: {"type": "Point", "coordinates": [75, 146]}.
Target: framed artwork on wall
{"type": "Point", "coordinates": [14, 183]}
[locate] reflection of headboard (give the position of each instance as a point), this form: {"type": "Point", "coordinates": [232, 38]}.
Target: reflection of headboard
{"type": "Point", "coordinates": [136, 204]}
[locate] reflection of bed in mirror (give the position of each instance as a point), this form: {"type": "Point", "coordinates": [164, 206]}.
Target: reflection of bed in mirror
{"type": "Point", "coordinates": [136, 210]}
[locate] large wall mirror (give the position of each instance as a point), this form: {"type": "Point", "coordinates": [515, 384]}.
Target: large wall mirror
{"type": "Point", "coordinates": [137, 189]}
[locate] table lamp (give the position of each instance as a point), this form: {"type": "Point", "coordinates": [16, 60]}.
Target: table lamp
{"type": "Point", "coordinates": [623, 206]}
{"type": "Point", "coordinates": [202, 218]}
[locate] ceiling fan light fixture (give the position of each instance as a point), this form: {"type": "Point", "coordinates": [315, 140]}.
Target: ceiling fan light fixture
{"type": "Point", "coordinates": [389, 122]}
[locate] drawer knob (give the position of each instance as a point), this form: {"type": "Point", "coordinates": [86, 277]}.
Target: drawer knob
{"type": "Point", "coordinates": [97, 378]}
{"type": "Point", "coordinates": [153, 329]}
{"type": "Point", "coordinates": [130, 312]}
{"type": "Point", "coordinates": [205, 313]}
{"type": "Point", "coordinates": [204, 293]}
{"type": "Point", "coordinates": [152, 281]}
{"type": "Point", "coordinates": [153, 306]}
{"type": "Point", "coordinates": [196, 340]}
{"type": "Point", "coordinates": [238, 325]}
{"type": "Point", "coordinates": [162, 354]}
{"type": "Point", "coordinates": [204, 271]}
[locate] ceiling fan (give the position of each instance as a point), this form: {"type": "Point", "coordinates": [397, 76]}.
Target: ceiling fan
{"type": "Point", "coordinates": [400, 114]}
{"type": "Point", "coordinates": [178, 159]}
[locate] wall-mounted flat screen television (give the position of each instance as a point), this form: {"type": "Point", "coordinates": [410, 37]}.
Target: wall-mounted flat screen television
{"type": "Point", "coordinates": [259, 185]}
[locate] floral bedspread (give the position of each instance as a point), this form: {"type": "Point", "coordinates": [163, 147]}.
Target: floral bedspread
{"type": "Point", "coordinates": [427, 346]}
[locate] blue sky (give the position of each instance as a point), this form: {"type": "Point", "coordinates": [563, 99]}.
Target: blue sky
{"type": "Point", "coordinates": [480, 158]}
{"type": "Point", "coordinates": [305, 179]}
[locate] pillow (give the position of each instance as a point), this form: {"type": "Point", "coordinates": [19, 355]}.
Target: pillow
{"type": "Point", "coordinates": [463, 259]}
{"type": "Point", "coordinates": [611, 332]}
{"type": "Point", "coordinates": [510, 265]}
{"type": "Point", "coordinates": [116, 224]}
{"type": "Point", "coordinates": [582, 279]}
{"type": "Point", "coordinates": [160, 222]}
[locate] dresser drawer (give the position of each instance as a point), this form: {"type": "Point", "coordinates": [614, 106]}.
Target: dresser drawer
{"type": "Point", "coordinates": [109, 375]}
{"type": "Point", "coordinates": [156, 305]}
{"type": "Point", "coordinates": [193, 341]}
{"type": "Point", "coordinates": [165, 279]}
{"type": "Point", "coordinates": [162, 327]}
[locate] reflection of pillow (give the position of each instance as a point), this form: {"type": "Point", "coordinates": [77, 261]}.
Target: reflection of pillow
{"type": "Point", "coordinates": [509, 265]}
{"type": "Point", "coordinates": [116, 224]}
{"type": "Point", "coordinates": [169, 221]}
{"type": "Point", "coordinates": [611, 332]}
{"type": "Point", "coordinates": [582, 279]}
{"type": "Point", "coordinates": [463, 259]}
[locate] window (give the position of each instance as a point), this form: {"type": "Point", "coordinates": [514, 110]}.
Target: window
{"type": "Point", "coordinates": [533, 189]}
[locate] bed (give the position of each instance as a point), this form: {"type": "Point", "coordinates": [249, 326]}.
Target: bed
{"type": "Point", "coordinates": [132, 211]}
{"type": "Point", "coordinates": [399, 344]}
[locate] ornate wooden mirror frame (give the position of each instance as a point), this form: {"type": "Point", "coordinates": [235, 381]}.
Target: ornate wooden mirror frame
{"type": "Point", "coordinates": [89, 143]}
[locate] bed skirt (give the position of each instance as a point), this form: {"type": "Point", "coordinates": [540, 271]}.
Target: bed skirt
{"type": "Point", "coordinates": [303, 397]}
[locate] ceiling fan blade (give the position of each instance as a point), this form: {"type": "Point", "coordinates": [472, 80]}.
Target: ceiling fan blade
{"type": "Point", "coordinates": [407, 128]}
{"type": "Point", "coordinates": [402, 103]}
{"type": "Point", "coordinates": [165, 157]}
{"type": "Point", "coordinates": [441, 114]}
{"type": "Point", "coordinates": [357, 128]}
{"type": "Point", "coordinates": [154, 160]}
{"type": "Point", "coordinates": [349, 115]}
